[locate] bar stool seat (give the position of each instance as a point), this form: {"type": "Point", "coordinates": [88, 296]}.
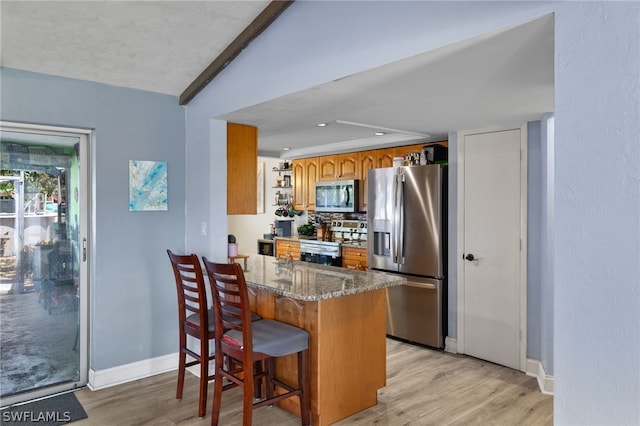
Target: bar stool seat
{"type": "Point", "coordinates": [272, 338]}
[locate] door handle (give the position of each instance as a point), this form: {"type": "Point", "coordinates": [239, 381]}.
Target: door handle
{"type": "Point", "coordinates": [470, 257]}
{"type": "Point", "coordinates": [426, 286]}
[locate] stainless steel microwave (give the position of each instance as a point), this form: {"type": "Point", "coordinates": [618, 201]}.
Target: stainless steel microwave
{"type": "Point", "coordinates": [337, 196]}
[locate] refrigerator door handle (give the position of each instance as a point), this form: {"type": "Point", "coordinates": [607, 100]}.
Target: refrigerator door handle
{"type": "Point", "coordinates": [398, 219]}
{"type": "Point", "coordinates": [394, 220]}
{"type": "Point", "coordinates": [401, 226]}
{"type": "Point", "coordinates": [428, 286]}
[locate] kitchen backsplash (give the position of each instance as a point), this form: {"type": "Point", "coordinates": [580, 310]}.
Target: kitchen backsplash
{"type": "Point", "coordinates": [319, 218]}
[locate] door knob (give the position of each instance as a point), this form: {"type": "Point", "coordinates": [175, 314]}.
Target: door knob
{"type": "Point", "coordinates": [470, 257]}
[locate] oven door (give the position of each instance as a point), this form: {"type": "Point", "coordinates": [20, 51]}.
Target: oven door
{"type": "Point", "coordinates": [322, 259]}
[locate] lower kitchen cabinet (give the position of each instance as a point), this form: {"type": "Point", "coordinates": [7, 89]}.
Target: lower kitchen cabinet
{"type": "Point", "coordinates": [287, 249]}
{"type": "Point", "coordinates": [354, 258]}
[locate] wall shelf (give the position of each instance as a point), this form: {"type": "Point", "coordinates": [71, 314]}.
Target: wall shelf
{"type": "Point", "coordinates": [284, 186]}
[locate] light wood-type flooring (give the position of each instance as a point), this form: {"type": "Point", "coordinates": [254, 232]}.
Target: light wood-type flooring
{"type": "Point", "coordinates": [424, 387]}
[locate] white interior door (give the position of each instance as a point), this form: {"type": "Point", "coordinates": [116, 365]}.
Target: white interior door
{"type": "Point", "coordinates": [493, 261]}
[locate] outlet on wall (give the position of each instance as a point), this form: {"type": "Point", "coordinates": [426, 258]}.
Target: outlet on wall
{"type": "Point", "coordinates": [203, 229]}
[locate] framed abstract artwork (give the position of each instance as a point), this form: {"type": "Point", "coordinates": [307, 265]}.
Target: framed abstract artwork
{"type": "Point", "coordinates": [147, 185]}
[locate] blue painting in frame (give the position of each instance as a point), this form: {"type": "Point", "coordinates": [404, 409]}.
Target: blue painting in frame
{"type": "Point", "coordinates": [147, 186]}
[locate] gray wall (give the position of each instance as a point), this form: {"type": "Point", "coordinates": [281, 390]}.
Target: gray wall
{"type": "Point", "coordinates": [546, 254]}
{"type": "Point", "coordinates": [589, 248]}
{"type": "Point", "coordinates": [539, 240]}
{"type": "Point", "coordinates": [596, 238]}
{"type": "Point", "coordinates": [132, 295]}
{"type": "Point", "coordinates": [534, 218]}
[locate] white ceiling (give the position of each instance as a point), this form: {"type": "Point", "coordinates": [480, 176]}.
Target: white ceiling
{"type": "Point", "coordinates": [160, 46]}
{"type": "Point", "coordinates": [503, 78]}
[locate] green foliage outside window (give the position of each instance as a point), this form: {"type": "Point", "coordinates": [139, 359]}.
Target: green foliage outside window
{"type": "Point", "coordinates": [34, 182]}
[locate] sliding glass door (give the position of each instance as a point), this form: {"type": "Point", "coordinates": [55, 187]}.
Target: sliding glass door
{"type": "Point", "coordinates": [43, 264]}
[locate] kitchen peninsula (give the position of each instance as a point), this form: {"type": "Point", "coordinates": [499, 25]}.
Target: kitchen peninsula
{"type": "Point", "coordinates": [344, 312]}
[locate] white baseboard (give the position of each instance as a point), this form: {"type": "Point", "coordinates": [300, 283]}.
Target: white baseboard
{"type": "Point", "coordinates": [545, 381]}
{"type": "Point", "coordinates": [136, 370]}
{"type": "Point", "coordinates": [450, 345]}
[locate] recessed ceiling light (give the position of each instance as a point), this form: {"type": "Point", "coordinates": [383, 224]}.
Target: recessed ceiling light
{"type": "Point", "coordinates": [321, 124]}
{"type": "Point", "coordinates": [379, 133]}
{"type": "Point", "coordinates": [286, 148]}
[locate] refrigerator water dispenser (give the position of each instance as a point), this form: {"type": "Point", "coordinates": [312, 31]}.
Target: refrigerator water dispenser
{"type": "Point", "coordinates": [382, 243]}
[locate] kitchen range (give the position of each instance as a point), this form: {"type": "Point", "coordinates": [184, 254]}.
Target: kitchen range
{"type": "Point", "coordinates": [322, 252]}
{"type": "Point", "coordinates": [327, 251]}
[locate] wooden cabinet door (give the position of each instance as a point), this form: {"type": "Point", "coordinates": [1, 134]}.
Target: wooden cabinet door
{"type": "Point", "coordinates": [385, 157]}
{"type": "Point", "coordinates": [348, 166]}
{"type": "Point", "coordinates": [305, 175]}
{"type": "Point", "coordinates": [242, 169]}
{"type": "Point", "coordinates": [290, 311]}
{"type": "Point", "coordinates": [299, 182]}
{"type": "Point", "coordinates": [328, 167]}
{"type": "Point", "coordinates": [299, 314]}
{"type": "Point", "coordinates": [311, 172]}
{"type": "Point", "coordinates": [287, 249]}
{"type": "Point", "coordinates": [366, 160]}
{"type": "Point", "coordinates": [354, 258]}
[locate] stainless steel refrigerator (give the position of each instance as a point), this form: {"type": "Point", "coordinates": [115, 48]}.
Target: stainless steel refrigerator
{"type": "Point", "coordinates": [407, 225]}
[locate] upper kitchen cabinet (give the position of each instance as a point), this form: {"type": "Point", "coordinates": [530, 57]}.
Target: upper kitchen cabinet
{"type": "Point", "coordinates": [311, 176]}
{"type": "Point", "coordinates": [384, 157]}
{"type": "Point", "coordinates": [299, 176]}
{"type": "Point", "coordinates": [242, 169]}
{"type": "Point", "coordinates": [328, 167]}
{"type": "Point", "coordinates": [339, 167]}
{"type": "Point", "coordinates": [305, 175]}
{"type": "Point", "coordinates": [348, 166]}
{"type": "Point", "coordinates": [366, 160]}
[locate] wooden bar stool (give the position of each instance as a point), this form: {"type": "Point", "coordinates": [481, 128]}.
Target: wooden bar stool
{"type": "Point", "coordinates": [194, 319]}
{"type": "Point", "coordinates": [238, 338]}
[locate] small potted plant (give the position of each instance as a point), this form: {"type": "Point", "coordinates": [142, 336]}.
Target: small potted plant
{"type": "Point", "coordinates": [233, 246]}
